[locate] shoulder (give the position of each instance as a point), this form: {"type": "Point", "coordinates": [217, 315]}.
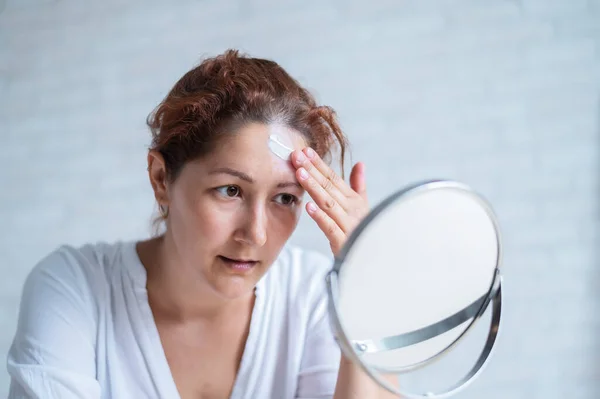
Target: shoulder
{"type": "Point", "coordinates": [78, 271]}
{"type": "Point", "coordinates": [301, 266]}
{"type": "Point", "coordinates": [298, 275]}
{"type": "Point", "coordinates": [78, 262]}
{"type": "Point", "coordinates": [54, 345]}
{"type": "Point", "coordinates": [312, 261]}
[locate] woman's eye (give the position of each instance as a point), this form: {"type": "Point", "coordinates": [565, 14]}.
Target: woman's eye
{"type": "Point", "coordinates": [229, 191]}
{"type": "Point", "coordinates": [287, 199]}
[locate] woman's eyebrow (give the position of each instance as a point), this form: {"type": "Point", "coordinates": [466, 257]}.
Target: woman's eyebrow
{"type": "Point", "coordinates": [232, 172]}
{"type": "Point", "coordinates": [289, 184]}
{"type": "Point", "coordinates": [249, 179]}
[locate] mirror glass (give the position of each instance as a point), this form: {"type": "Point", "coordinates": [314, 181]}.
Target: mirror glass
{"type": "Point", "coordinates": [415, 276]}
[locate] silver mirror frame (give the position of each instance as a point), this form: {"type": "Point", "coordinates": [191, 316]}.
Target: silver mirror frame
{"type": "Point", "coordinates": [494, 296]}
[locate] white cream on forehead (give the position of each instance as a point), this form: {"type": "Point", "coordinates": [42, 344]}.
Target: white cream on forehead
{"type": "Point", "coordinates": [279, 144]}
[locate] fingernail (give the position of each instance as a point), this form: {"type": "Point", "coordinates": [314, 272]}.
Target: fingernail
{"type": "Point", "coordinates": [300, 158]}
{"type": "Point", "coordinates": [303, 174]}
{"type": "Point", "coordinates": [311, 207]}
{"type": "Point", "coordinates": [310, 153]}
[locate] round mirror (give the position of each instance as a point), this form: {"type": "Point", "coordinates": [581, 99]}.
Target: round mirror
{"type": "Point", "coordinates": [413, 279]}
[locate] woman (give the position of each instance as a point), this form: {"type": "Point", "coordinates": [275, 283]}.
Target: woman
{"type": "Point", "coordinates": [218, 305]}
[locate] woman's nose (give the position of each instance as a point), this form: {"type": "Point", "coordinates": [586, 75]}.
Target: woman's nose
{"type": "Point", "coordinates": [254, 228]}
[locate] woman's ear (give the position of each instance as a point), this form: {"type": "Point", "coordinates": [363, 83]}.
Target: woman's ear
{"type": "Point", "coordinates": [157, 172]}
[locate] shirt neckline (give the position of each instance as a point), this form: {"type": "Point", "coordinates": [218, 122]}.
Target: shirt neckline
{"type": "Point", "coordinates": [137, 272]}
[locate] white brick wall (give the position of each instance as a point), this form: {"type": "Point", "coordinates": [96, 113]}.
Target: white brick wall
{"type": "Point", "coordinates": [502, 94]}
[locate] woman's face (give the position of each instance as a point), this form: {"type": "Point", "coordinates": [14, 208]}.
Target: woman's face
{"type": "Point", "coordinates": [240, 202]}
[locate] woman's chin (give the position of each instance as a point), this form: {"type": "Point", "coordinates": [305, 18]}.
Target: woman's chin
{"type": "Point", "coordinates": [233, 282]}
{"type": "Point", "coordinates": [234, 287]}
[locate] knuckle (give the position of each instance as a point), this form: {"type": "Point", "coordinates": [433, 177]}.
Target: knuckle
{"type": "Point", "coordinates": [331, 229]}
{"type": "Point", "coordinates": [329, 203]}
{"type": "Point", "coordinates": [327, 184]}
{"type": "Point", "coordinates": [332, 176]}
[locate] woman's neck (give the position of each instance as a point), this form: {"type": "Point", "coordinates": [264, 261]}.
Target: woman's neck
{"type": "Point", "coordinates": [176, 295]}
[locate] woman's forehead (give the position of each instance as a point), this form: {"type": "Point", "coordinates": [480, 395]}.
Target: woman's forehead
{"type": "Point", "coordinates": [248, 150]}
{"type": "Point", "coordinates": [255, 139]}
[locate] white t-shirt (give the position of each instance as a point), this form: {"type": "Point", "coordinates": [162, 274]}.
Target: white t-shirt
{"type": "Point", "coordinates": [86, 330]}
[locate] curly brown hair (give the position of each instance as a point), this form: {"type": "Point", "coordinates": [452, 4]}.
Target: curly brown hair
{"type": "Point", "coordinates": [228, 91]}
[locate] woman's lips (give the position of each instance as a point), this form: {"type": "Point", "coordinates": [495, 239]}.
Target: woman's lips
{"type": "Point", "coordinates": [238, 264]}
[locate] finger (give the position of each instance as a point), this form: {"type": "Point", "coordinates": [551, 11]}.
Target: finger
{"type": "Point", "coordinates": [301, 159]}
{"type": "Point", "coordinates": [323, 199]}
{"type": "Point", "coordinates": [324, 174]}
{"type": "Point", "coordinates": [328, 183]}
{"type": "Point", "coordinates": [332, 231]}
{"type": "Point", "coordinates": [358, 181]}
{"type": "Point", "coordinates": [327, 172]}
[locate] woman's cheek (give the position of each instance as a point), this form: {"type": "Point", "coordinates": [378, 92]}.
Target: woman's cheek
{"type": "Point", "coordinates": [285, 219]}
